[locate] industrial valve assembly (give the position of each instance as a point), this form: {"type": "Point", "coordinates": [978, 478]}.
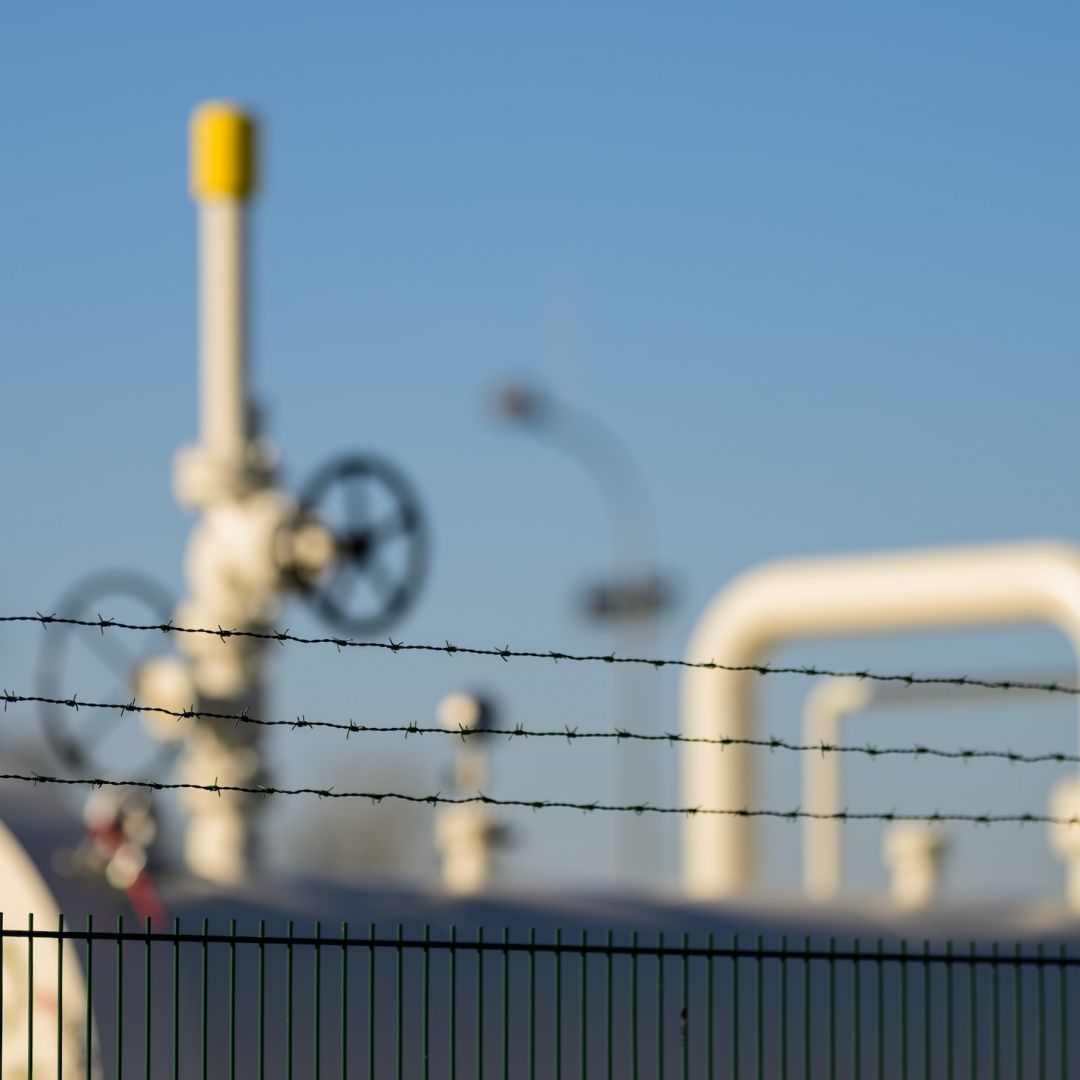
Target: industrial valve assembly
{"type": "Point", "coordinates": [353, 545]}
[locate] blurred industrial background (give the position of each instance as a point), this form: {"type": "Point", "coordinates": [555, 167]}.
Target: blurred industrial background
{"type": "Point", "coordinates": [607, 307]}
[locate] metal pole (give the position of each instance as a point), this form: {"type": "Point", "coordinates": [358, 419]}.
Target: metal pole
{"type": "Point", "coordinates": [630, 601]}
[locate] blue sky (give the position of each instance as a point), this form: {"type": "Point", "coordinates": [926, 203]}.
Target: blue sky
{"type": "Point", "coordinates": [818, 267]}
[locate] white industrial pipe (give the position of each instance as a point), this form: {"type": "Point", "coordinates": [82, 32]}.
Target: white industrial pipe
{"type": "Point", "coordinates": [242, 550]}
{"type": "Point", "coordinates": [935, 589]}
{"type": "Point", "coordinates": [222, 179]}
{"type": "Point", "coordinates": [233, 578]}
{"type": "Point", "coordinates": [828, 705]}
{"type": "Point", "coordinates": [465, 835]}
{"type": "Point", "coordinates": [223, 307]}
{"type": "Point", "coordinates": [913, 850]}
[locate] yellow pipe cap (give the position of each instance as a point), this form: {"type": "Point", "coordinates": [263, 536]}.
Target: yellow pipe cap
{"type": "Point", "coordinates": [222, 151]}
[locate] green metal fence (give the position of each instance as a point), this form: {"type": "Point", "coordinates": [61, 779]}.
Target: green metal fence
{"type": "Point", "coordinates": [427, 1002]}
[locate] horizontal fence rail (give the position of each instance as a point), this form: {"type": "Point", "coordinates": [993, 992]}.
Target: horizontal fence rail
{"type": "Point", "coordinates": [428, 1003]}
{"type": "Point", "coordinates": [506, 653]}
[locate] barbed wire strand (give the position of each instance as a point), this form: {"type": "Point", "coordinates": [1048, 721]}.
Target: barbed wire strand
{"type": "Point", "coordinates": [570, 734]}
{"type": "Point", "coordinates": [437, 799]}
{"type": "Point", "coordinates": [507, 654]}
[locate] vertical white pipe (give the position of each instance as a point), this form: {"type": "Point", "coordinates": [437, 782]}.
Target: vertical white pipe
{"type": "Point", "coordinates": [720, 852]}
{"type": "Point", "coordinates": [222, 180]}
{"type": "Point", "coordinates": [828, 709]}
{"type": "Point", "coordinates": [914, 852]}
{"type": "Point", "coordinates": [464, 834]}
{"type": "Point", "coordinates": [228, 583]}
{"type": "Point", "coordinates": [826, 706]}
{"type": "Point", "coordinates": [223, 398]}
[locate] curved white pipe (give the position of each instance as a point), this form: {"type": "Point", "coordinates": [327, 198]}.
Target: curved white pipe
{"type": "Point", "coordinates": [828, 702]}
{"type": "Point", "coordinates": [779, 602]}
{"type": "Point", "coordinates": [827, 709]}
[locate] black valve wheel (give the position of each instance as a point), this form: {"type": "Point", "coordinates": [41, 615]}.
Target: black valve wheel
{"type": "Point", "coordinates": [380, 538]}
{"type": "Point", "coordinates": [101, 665]}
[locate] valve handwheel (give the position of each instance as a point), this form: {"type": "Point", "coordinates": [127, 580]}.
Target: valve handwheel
{"type": "Point", "coordinates": [103, 666]}
{"type": "Point", "coordinates": [380, 540]}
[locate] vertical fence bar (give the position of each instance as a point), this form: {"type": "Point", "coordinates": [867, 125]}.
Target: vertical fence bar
{"type": "Point", "coordinates": [204, 1004]}
{"type": "Point", "coordinates": [610, 1053]}
{"type": "Point", "coordinates": [425, 991]}
{"type": "Point", "coordinates": [506, 1004]}
{"type": "Point", "coordinates": [660, 1003]}
{"type": "Point", "coordinates": [399, 1050]}
{"type": "Point", "coordinates": [204, 1007]}
{"type": "Point", "coordinates": [832, 1006]}
{"type": "Point", "coordinates": [260, 1004]}
{"type": "Point", "coordinates": [584, 1022]}
{"type": "Point", "coordinates": [684, 1015]}
{"type": "Point", "coordinates": [147, 990]}
{"type": "Point", "coordinates": [856, 1020]}
{"type": "Point", "coordinates": [1018, 1012]}
{"type": "Point", "coordinates": [926, 1007]}
{"type": "Point", "coordinates": [29, 997]}
{"type": "Point", "coordinates": [176, 998]}
{"type": "Point", "coordinates": [558, 1004]}
{"type": "Point", "coordinates": [973, 995]}
{"type": "Point", "coordinates": [453, 1002]}
{"type": "Point", "coordinates": [232, 1000]}
{"type": "Point", "coordinates": [1040, 1066]}
{"type": "Point", "coordinates": [345, 1001]}
{"type": "Point", "coordinates": [89, 1047]}
{"type": "Point", "coordinates": [950, 1045]}
{"type": "Point", "coordinates": [289, 1000]}
{"type": "Point", "coordinates": [60, 993]}
{"type": "Point", "coordinates": [785, 1035]}
{"type": "Point", "coordinates": [371, 1005]}
{"type": "Point", "coordinates": [1063, 1007]}
{"type": "Point", "coordinates": [316, 966]}
{"type": "Point", "coordinates": [734, 1006]}
{"type": "Point", "coordinates": [119, 996]}
{"type": "Point", "coordinates": [634, 1005]}
{"type": "Point", "coordinates": [996, 1007]}
{"type": "Point", "coordinates": [880, 988]}
{"type": "Point", "coordinates": [904, 1034]}
{"type": "Point", "coordinates": [760, 1009]}
{"type": "Point", "coordinates": [479, 1004]}
{"type": "Point", "coordinates": [532, 1003]}
{"type": "Point", "coordinates": [710, 1053]}
{"type": "Point", "coordinates": [806, 1008]}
